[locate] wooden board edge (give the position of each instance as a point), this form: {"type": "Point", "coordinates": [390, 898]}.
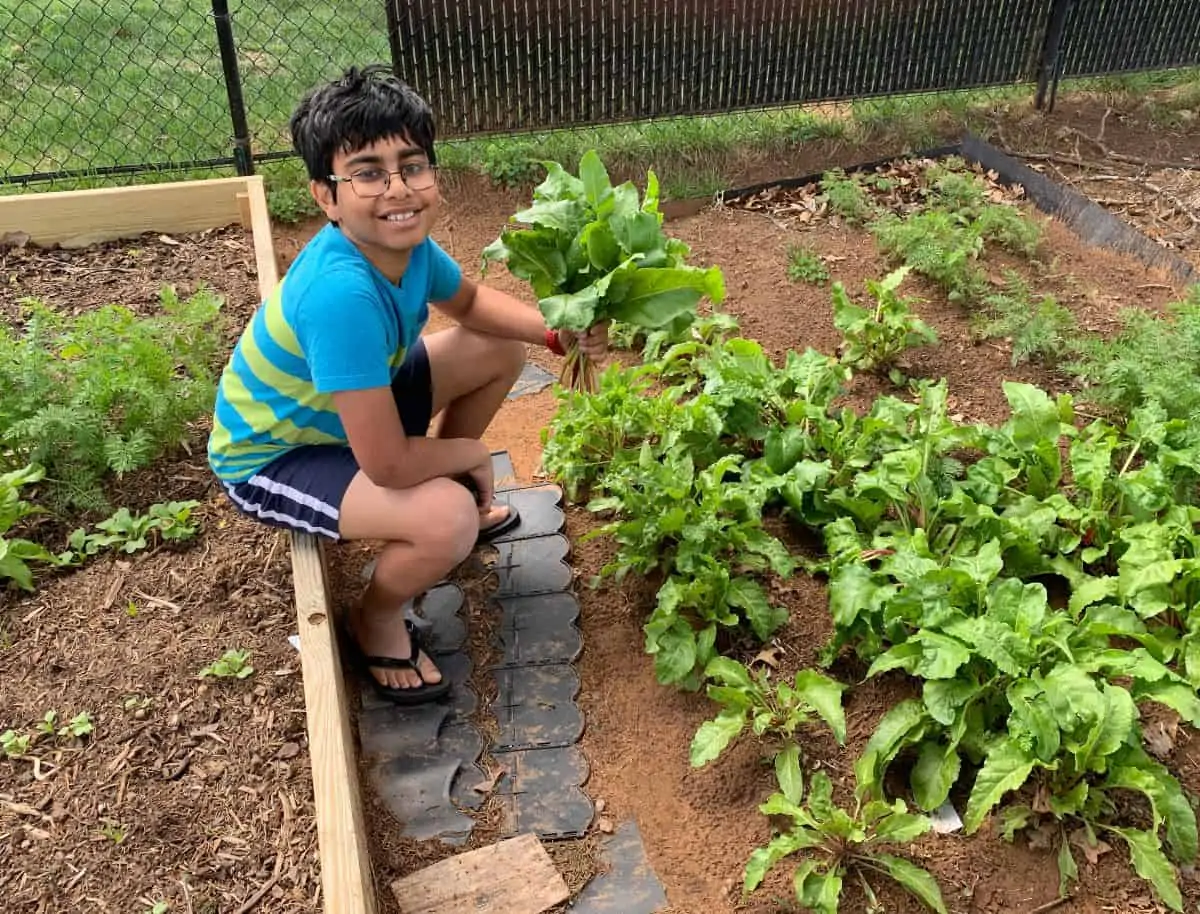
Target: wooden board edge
{"type": "Point", "coordinates": [78, 218]}
{"type": "Point", "coordinates": [346, 876]}
{"type": "Point", "coordinates": [260, 227]}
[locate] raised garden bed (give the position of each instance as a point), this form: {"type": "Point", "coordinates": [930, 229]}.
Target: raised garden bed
{"type": "Point", "coordinates": [196, 789]}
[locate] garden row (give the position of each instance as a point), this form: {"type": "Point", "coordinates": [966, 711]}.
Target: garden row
{"type": "Point", "coordinates": [1034, 578]}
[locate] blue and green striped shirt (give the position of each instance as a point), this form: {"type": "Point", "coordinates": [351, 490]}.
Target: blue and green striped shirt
{"type": "Point", "coordinates": [333, 323]}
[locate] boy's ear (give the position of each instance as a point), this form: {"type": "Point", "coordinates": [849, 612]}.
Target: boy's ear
{"type": "Point", "coordinates": [322, 193]}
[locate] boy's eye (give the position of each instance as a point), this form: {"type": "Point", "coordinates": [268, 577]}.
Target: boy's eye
{"type": "Point", "coordinates": [413, 170]}
{"type": "Point", "coordinates": [369, 175]}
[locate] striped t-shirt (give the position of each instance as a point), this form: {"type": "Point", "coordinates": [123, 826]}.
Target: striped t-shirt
{"type": "Point", "coordinates": [333, 323]}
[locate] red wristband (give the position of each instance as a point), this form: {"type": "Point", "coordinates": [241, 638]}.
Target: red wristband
{"type": "Point", "coordinates": [553, 343]}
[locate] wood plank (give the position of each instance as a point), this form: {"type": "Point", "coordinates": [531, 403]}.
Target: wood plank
{"type": "Point", "coordinates": [513, 877]}
{"type": "Point", "coordinates": [264, 246]}
{"type": "Point", "coordinates": [346, 879]}
{"type": "Point", "coordinates": [77, 218]}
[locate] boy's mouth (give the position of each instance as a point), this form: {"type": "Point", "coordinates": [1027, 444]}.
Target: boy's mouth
{"type": "Point", "coordinates": [406, 216]}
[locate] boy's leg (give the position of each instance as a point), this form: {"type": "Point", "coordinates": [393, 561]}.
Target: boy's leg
{"type": "Point", "coordinates": [418, 554]}
{"type": "Point", "coordinates": [470, 375]}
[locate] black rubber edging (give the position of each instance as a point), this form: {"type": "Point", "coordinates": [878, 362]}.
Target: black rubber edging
{"type": "Point", "coordinates": [1091, 222]}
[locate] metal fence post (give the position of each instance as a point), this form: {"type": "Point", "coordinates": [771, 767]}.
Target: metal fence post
{"type": "Point", "coordinates": [1051, 65]}
{"type": "Point", "coordinates": [393, 27]}
{"type": "Point", "coordinates": [242, 156]}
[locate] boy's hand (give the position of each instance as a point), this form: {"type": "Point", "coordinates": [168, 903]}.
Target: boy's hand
{"type": "Point", "coordinates": [593, 342]}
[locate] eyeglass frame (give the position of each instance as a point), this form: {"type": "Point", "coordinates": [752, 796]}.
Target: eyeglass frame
{"type": "Point", "coordinates": [387, 178]}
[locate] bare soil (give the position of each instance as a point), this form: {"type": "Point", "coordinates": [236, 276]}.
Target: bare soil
{"type": "Point", "coordinates": [198, 793]}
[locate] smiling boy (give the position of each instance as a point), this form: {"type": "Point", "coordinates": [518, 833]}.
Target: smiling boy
{"type": "Point", "coordinates": [323, 410]}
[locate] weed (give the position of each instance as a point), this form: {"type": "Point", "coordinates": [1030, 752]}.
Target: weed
{"type": "Point", "coordinates": [1036, 329]}
{"type": "Point", "coordinates": [233, 664]}
{"type": "Point", "coordinates": [48, 724]}
{"type": "Point", "coordinates": [13, 744]}
{"type": "Point", "coordinates": [78, 726]}
{"type": "Point", "coordinates": [806, 266]}
{"type": "Point", "coordinates": [1151, 360]}
{"type": "Point", "coordinates": [939, 245]}
{"type": "Point", "coordinates": [510, 164]}
{"type": "Point", "coordinates": [127, 532]}
{"type": "Point", "coordinates": [846, 197]}
{"type": "Point", "coordinates": [838, 843]}
{"type": "Point", "coordinates": [114, 832]}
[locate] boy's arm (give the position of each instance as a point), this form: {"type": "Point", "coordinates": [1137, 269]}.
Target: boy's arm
{"type": "Point", "coordinates": [488, 310]}
{"type": "Point", "coordinates": [392, 460]}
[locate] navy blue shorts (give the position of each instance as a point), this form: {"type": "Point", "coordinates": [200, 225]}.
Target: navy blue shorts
{"type": "Point", "coordinates": [303, 489]}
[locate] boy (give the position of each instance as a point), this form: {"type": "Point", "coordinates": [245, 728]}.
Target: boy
{"type": "Point", "coordinates": [322, 411]}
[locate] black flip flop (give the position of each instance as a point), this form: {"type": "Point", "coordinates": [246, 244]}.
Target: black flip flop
{"type": "Point", "coordinates": [511, 520]}
{"type": "Point", "coordinates": [422, 694]}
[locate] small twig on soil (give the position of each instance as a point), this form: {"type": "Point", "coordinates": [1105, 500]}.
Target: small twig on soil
{"type": "Point", "coordinates": [285, 837]}
{"type": "Point", "coordinates": [1051, 905]}
{"type": "Point", "coordinates": [258, 896]}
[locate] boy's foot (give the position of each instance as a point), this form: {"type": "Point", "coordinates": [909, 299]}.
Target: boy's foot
{"type": "Point", "coordinates": [496, 520]}
{"type": "Point", "coordinates": [384, 645]}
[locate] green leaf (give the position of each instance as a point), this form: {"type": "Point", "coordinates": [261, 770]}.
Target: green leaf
{"type": "Point", "coordinates": [1013, 819]}
{"type": "Point", "coordinates": [1092, 590]}
{"type": "Point", "coordinates": [818, 892]}
{"type": "Point", "coordinates": [1177, 696]}
{"type": "Point", "coordinates": [747, 595]}
{"type": "Point", "coordinates": [784, 446]}
{"type": "Point", "coordinates": [944, 697]}
{"type": "Point", "coordinates": [852, 590]}
{"type": "Point", "coordinates": [674, 652]}
{"type": "Point", "coordinates": [1068, 872]}
{"type": "Point", "coordinates": [941, 656]}
{"type": "Point", "coordinates": [654, 297]}
{"type": "Point", "coordinates": [917, 881]}
{"type": "Point", "coordinates": [904, 656]}
{"type": "Point", "coordinates": [729, 672]}
{"type": "Point", "coordinates": [934, 774]}
{"type": "Point", "coordinates": [1152, 865]}
{"type": "Point", "coordinates": [904, 723]}
{"type": "Point", "coordinates": [596, 185]}
{"type": "Point", "coordinates": [902, 827]}
{"type": "Point", "coordinates": [788, 773]}
{"type": "Point", "coordinates": [1006, 768]}
{"type": "Point", "coordinates": [763, 858]}
{"type": "Point", "coordinates": [714, 735]}
{"type": "Point", "coordinates": [825, 696]}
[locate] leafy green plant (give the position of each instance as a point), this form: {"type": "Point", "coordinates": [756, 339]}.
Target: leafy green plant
{"type": "Point", "coordinates": [106, 390]}
{"type": "Point", "coordinates": [749, 699]}
{"type": "Point", "coordinates": [939, 245]}
{"type": "Point", "coordinates": [705, 532]}
{"type": "Point", "coordinates": [233, 664]}
{"type": "Point", "coordinates": [1037, 329]}
{"type": "Point", "coordinates": [13, 744]}
{"type": "Point", "coordinates": [594, 252]}
{"type": "Point", "coordinates": [17, 553]}
{"type": "Point", "coordinates": [838, 843]}
{"type": "Point", "coordinates": [846, 197]}
{"type": "Point", "coordinates": [78, 726]}
{"type": "Point", "coordinates": [1150, 360]}
{"type": "Point", "coordinates": [874, 339]}
{"type": "Point", "coordinates": [48, 724]}
{"type": "Point", "coordinates": [806, 266]}
{"type": "Point", "coordinates": [130, 533]}
{"type": "Point", "coordinates": [114, 832]}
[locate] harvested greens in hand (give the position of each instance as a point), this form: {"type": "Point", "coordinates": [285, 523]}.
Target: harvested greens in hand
{"type": "Point", "coordinates": [593, 252]}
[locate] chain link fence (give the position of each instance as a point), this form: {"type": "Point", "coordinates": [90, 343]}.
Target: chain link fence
{"type": "Point", "coordinates": [97, 88]}
{"type": "Point", "coordinates": [94, 89]}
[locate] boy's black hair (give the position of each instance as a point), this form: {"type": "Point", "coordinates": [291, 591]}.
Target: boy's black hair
{"type": "Point", "coordinates": [361, 108]}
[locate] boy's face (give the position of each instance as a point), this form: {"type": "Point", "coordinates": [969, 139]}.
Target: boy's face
{"type": "Point", "coordinates": [388, 226]}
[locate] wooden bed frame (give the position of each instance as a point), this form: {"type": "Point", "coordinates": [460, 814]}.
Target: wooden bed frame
{"type": "Point", "coordinates": [75, 219]}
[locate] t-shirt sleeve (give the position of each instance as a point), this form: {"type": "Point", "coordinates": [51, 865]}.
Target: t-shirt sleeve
{"type": "Point", "coordinates": [445, 276]}
{"type": "Point", "coordinates": [340, 328]}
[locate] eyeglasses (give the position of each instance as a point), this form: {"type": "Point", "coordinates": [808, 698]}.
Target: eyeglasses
{"type": "Point", "coordinates": [374, 182]}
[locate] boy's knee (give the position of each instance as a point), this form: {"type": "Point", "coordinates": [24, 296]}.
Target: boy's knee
{"type": "Point", "coordinates": [510, 356]}
{"type": "Point", "coordinates": [453, 524]}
